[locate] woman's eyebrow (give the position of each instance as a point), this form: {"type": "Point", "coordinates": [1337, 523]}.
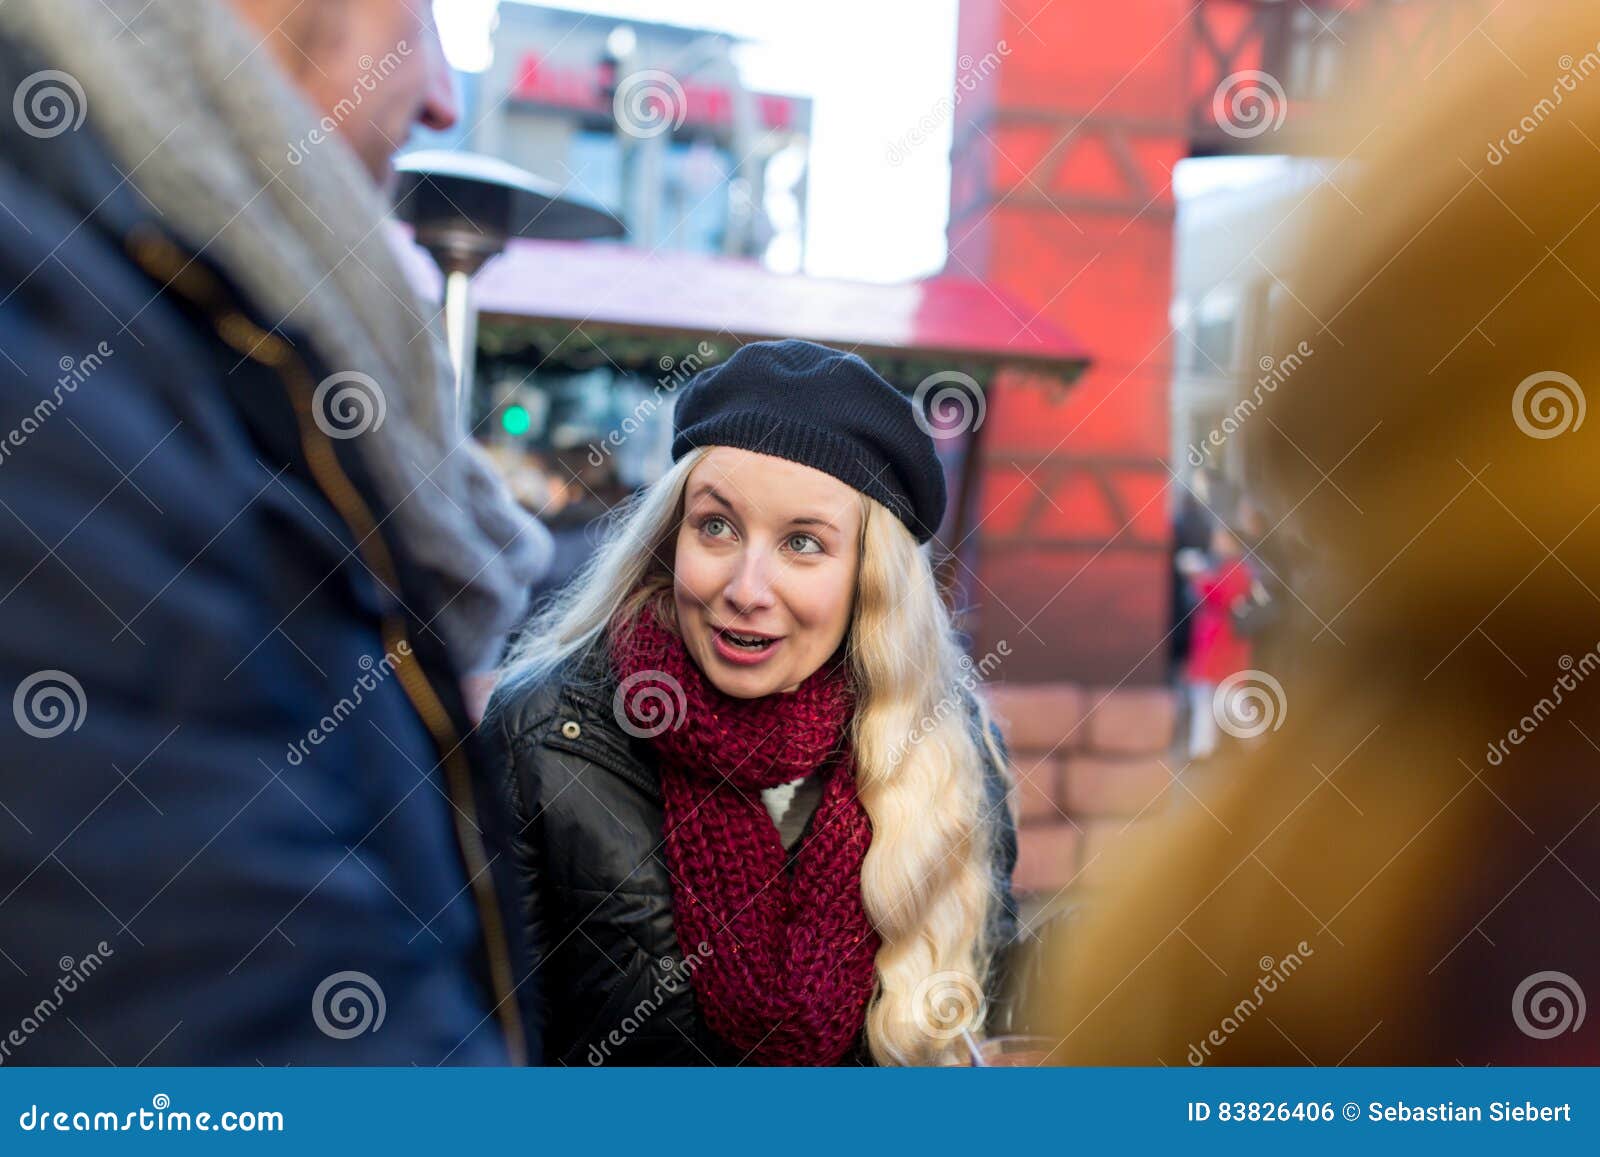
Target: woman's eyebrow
{"type": "Point", "coordinates": [812, 520]}
{"type": "Point", "coordinates": [709, 491]}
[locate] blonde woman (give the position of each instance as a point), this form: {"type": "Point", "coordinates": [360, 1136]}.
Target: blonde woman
{"type": "Point", "coordinates": [763, 816]}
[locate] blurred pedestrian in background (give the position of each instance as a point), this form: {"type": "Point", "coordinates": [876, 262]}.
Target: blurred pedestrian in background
{"type": "Point", "coordinates": [1222, 580]}
{"type": "Point", "coordinates": [248, 560]}
{"type": "Point", "coordinates": [1407, 870]}
{"type": "Point", "coordinates": [585, 494]}
{"type": "Point", "coordinates": [1191, 535]}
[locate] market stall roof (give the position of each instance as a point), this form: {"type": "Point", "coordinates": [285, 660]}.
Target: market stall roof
{"type": "Point", "coordinates": [618, 287]}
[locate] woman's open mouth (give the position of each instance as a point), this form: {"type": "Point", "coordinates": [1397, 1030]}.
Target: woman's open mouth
{"type": "Point", "coordinates": [743, 648]}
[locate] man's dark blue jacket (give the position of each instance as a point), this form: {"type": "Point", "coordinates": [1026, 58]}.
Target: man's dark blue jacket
{"type": "Point", "coordinates": [241, 813]}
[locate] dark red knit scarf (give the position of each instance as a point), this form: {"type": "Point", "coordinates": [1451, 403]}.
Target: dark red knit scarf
{"type": "Point", "coordinates": [790, 968]}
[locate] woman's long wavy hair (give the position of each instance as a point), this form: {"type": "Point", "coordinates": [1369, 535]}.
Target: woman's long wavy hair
{"type": "Point", "coordinates": [927, 882]}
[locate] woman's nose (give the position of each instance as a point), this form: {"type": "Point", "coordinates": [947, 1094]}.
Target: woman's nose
{"type": "Point", "coordinates": [750, 586]}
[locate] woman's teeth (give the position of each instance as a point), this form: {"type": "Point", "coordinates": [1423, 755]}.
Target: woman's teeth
{"type": "Point", "coordinates": [748, 642]}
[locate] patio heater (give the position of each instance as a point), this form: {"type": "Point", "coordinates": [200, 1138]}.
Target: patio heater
{"type": "Point", "coordinates": [463, 208]}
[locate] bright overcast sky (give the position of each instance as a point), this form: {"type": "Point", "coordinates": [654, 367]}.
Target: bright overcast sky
{"type": "Point", "coordinates": [873, 70]}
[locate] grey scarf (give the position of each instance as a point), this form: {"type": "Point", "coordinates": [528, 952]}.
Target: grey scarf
{"type": "Point", "coordinates": [193, 106]}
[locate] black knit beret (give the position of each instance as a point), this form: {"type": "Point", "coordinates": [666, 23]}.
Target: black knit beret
{"type": "Point", "coordinates": [822, 408]}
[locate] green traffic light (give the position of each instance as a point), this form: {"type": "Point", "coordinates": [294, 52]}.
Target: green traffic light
{"type": "Point", "coordinates": [514, 420]}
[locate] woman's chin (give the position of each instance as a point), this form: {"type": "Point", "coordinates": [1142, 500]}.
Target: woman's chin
{"type": "Point", "coordinates": [741, 684]}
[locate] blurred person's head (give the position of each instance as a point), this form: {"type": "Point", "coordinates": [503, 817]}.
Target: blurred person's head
{"type": "Point", "coordinates": [1249, 519]}
{"type": "Point", "coordinates": [1406, 871]}
{"type": "Point", "coordinates": [374, 67]}
{"type": "Point", "coordinates": [520, 472]}
{"type": "Point", "coordinates": [585, 481]}
{"type": "Point", "coordinates": [216, 113]}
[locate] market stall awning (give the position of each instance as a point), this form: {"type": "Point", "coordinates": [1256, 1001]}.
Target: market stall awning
{"type": "Point", "coordinates": [606, 287]}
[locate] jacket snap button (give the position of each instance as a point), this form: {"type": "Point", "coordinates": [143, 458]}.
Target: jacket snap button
{"type": "Point", "coordinates": [571, 729]}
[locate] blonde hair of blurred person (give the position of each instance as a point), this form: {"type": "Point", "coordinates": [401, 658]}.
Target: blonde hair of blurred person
{"type": "Point", "coordinates": [1408, 870]}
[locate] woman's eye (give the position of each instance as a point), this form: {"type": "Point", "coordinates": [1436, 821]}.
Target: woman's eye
{"type": "Point", "coordinates": [713, 525]}
{"type": "Point", "coordinates": [807, 544]}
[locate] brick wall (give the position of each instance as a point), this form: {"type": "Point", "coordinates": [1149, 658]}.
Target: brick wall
{"type": "Point", "coordinates": [1088, 761]}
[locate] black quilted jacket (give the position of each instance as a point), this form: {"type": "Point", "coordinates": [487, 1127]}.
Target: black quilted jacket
{"type": "Point", "coordinates": [594, 883]}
